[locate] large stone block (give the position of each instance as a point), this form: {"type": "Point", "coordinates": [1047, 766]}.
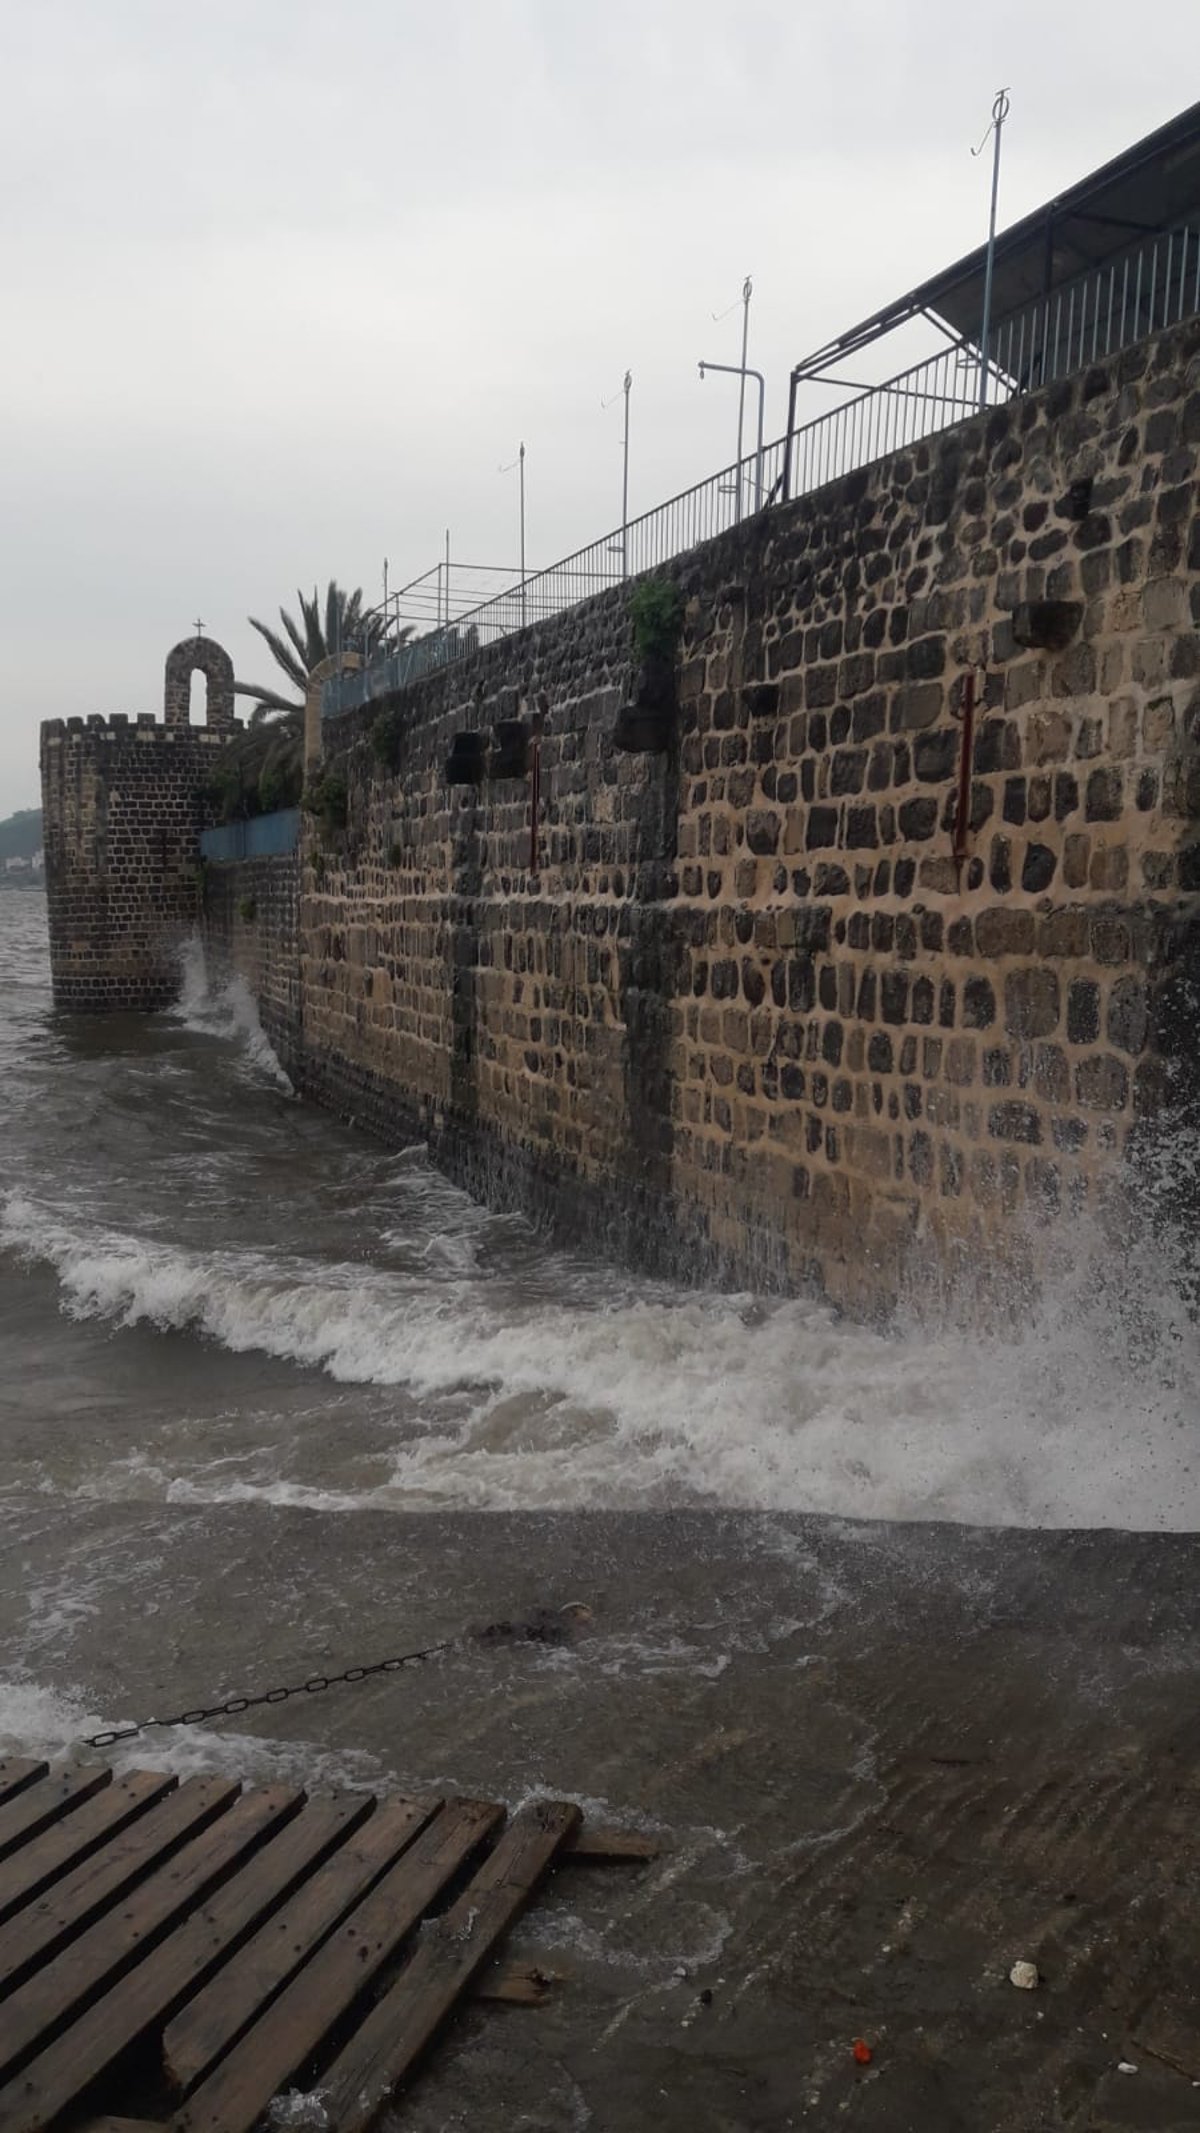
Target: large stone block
{"type": "Point", "coordinates": [1032, 1003]}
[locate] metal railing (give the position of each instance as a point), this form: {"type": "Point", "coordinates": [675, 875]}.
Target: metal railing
{"type": "Point", "coordinates": [1154, 284]}
{"type": "Point", "coordinates": [698, 514]}
{"type": "Point", "coordinates": [880, 419]}
{"type": "Point", "coordinates": [436, 598]}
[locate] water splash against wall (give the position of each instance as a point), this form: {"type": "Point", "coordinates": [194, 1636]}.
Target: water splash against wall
{"type": "Point", "coordinates": [225, 1010]}
{"type": "Point", "coordinates": [499, 1395]}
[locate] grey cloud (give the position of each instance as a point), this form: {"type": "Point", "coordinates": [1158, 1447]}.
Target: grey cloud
{"type": "Point", "coordinates": [285, 283]}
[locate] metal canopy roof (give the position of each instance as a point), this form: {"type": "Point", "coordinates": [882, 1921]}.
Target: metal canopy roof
{"type": "Point", "coordinates": [1151, 186]}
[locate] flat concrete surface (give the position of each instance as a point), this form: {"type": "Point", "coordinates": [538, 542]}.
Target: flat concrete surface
{"type": "Point", "coordinates": [886, 1762]}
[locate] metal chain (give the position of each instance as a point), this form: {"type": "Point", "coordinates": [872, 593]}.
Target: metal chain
{"type": "Point", "coordinates": [233, 1705]}
{"type": "Point", "coordinates": [543, 1626]}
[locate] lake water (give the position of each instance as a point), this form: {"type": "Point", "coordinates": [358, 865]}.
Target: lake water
{"type": "Point", "coordinates": [211, 1293]}
{"type": "Point", "coordinates": [273, 1401]}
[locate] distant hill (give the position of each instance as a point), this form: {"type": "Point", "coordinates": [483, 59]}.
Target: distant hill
{"type": "Point", "coordinates": [21, 834]}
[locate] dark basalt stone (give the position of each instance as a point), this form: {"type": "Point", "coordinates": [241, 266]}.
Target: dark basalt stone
{"type": "Point", "coordinates": [654, 684]}
{"type": "Point", "coordinates": [465, 762]}
{"type": "Point", "coordinates": [510, 749]}
{"type": "Point", "coordinates": [643, 732]}
{"type": "Point", "coordinates": [1076, 501]}
{"type": "Point", "coordinates": [1047, 625]}
{"type": "Point", "coordinates": [645, 725]}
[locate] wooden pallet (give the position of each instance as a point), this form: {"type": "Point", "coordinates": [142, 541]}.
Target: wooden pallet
{"type": "Point", "coordinates": [187, 1952]}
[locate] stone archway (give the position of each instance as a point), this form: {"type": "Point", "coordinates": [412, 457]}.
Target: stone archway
{"type": "Point", "coordinates": [216, 666]}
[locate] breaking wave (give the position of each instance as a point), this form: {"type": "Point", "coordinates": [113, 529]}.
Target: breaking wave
{"type": "Point", "coordinates": [1084, 1416]}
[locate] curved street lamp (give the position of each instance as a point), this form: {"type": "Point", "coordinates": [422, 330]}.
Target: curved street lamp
{"type": "Point", "coordinates": [744, 371]}
{"type": "Point", "coordinates": [623, 550]}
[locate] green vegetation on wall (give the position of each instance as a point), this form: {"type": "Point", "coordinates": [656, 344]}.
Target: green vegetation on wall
{"type": "Point", "coordinates": [261, 770]}
{"type": "Point", "coordinates": [656, 612]}
{"type": "Point", "coordinates": [328, 799]}
{"type": "Point", "coordinates": [386, 730]}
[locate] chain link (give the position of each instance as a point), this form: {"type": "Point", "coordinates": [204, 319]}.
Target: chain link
{"type": "Point", "coordinates": [234, 1705]}
{"type": "Point", "coordinates": [543, 1626]}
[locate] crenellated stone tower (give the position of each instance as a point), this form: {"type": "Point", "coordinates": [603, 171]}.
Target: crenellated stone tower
{"type": "Point", "coordinates": [122, 808]}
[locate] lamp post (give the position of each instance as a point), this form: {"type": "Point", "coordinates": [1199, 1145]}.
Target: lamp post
{"type": "Point", "coordinates": [743, 371]}
{"type": "Point", "coordinates": [739, 370]}
{"type": "Point", "coordinates": [624, 549]}
{"type": "Point", "coordinates": [519, 462]}
{"type": "Point", "coordinates": [999, 114]}
{"type": "Point", "coordinates": [747, 287]}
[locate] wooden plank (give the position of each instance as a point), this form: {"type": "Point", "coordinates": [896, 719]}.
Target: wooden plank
{"type": "Point", "coordinates": [274, 2050]}
{"type": "Point", "coordinates": [612, 1844]}
{"type": "Point", "coordinates": [37, 1932]}
{"type": "Point", "coordinates": [121, 2125]}
{"type": "Point", "coordinates": [448, 1957]}
{"type": "Point", "coordinates": [93, 2044]}
{"type": "Point", "coordinates": [517, 1985]}
{"type": "Point", "coordinates": [16, 1773]}
{"type": "Point", "coordinates": [51, 1855]}
{"type": "Point", "coordinates": [211, 2023]}
{"type": "Point", "coordinates": [40, 2007]}
{"type": "Point", "coordinates": [34, 1809]}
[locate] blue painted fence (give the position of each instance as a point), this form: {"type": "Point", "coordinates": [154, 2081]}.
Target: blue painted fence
{"type": "Point", "coordinates": [263, 837]}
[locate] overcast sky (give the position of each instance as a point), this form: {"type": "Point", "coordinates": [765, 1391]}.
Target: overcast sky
{"type": "Point", "coordinates": [284, 284]}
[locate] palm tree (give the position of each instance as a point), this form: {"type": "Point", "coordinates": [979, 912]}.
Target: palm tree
{"type": "Point", "coordinates": [342, 626]}
{"type": "Point", "coordinates": [263, 767]}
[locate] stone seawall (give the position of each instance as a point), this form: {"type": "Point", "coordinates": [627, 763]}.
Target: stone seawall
{"type": "Point", "coordinates": [749, 1015]}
